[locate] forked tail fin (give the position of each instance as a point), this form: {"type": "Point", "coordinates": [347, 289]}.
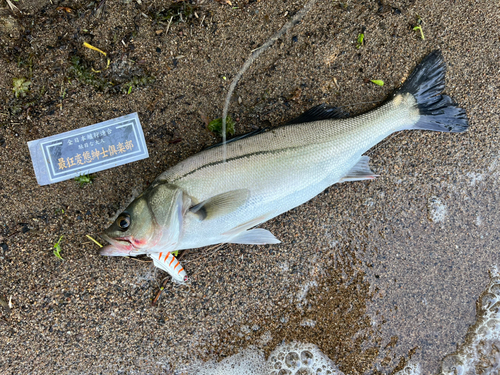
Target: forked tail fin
{"type": "Point", "coordinates": [437, 112]}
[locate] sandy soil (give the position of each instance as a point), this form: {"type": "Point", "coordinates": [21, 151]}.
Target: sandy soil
{"type": "Point", "coordinates": [363, 272]}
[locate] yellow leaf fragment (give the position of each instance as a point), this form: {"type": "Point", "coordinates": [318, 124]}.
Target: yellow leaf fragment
{"type": "Point", "coordinates": [90, 238]}
{"type": "Point", "coordinates": [85, 44]}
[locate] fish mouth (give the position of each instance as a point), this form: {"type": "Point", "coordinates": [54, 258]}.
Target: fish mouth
{"type": "Point", "coordinates": [117, 247]}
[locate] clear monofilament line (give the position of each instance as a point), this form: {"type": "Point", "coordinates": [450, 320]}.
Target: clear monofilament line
{"type": "Point", "coordinates": [254, 55]}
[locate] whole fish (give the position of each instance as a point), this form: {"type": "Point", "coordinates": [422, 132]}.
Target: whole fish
{"type": "Point", "coordinates": [206, 200]}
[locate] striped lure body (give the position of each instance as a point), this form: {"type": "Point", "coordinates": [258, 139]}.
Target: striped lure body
{"type": "Point", "coordinates": [206, 199]}
{"type": "Point", "coordinates": [167, 262]}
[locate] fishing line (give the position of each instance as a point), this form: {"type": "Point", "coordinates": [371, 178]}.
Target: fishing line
{"type": "Point", "coordinates": [254, 55]}
{"type": "Point", "coordinates": [214, 248]}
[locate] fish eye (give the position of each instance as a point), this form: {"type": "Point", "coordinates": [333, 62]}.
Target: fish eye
{"type": "Point", "coordinates": [123, 221]}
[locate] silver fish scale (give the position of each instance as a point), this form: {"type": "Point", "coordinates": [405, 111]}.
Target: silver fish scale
{"type": "Point", "coordinates": [282, 168]}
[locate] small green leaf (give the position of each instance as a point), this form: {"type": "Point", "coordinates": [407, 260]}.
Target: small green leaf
{"type": "Point", "coordinates": [129, 90]}
{"type": "Point", "coordinates": [361, 39]}
{"type": "Point", "coordinates": [176, 252]}
{"type": "Point", "coordinates": [57, 247]}
{"type": "Point", "coordinates": [421, 31]}
{"type": "Point", "coordinates": [20, 86]}
{"type": "Point", "coordinates": [419, 27]}
{"type": "Point", "coordinates": [215, 126]}
{"type": "Point", "coordinates": [378, 82]}
{"type": "Point", "coordinates": [84, 179]}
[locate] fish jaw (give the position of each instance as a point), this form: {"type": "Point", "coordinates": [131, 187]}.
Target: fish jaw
{"type": "Point", "coordinates": [121, 247]}
{"type": "Point", "coordinates": [158, 240]}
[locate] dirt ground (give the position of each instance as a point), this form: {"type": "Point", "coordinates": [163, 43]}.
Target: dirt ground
{"type": "Point", "coordinates": [362, 272]}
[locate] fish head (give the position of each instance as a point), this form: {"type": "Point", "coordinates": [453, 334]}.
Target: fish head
{"type": "Point", "coordinates": [151, 223]}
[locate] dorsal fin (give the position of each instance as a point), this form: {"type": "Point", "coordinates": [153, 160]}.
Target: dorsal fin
{"type": "Point", "coordinates": [320, 112]}
{"type": "Point", "coordinates": [237, 138]}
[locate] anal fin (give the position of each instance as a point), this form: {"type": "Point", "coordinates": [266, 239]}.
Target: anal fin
{"type": "Point", "coordinates": [247, 225]}
{"type": "Point", "coordinates": [257, 236]}
{"type": "Point", "coordinates": [361, 171]}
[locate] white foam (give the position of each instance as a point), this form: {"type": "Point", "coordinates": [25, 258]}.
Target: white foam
{"type": "Point", "coordinates": [265, 338]}
{"type": "Point", "coordinates": [248, 362]}
{"type": "Point", "coordinates": [299, 358]}
{"type": "Point", "coordinates": [474, 178]}
{"type": "Point", "coordinates": [302, 293]}
{"type": "Point", "coordinates": [308, 323]}
{"type": "Point", "coordinates": [410, 369]}
{"type": "Point", "coordinates": [481, 348]}
{"type": "Point", "coordinates": [479, 220]}
{"type": "Point", "coordinates": [437, 209]}
{"type": "Point", "coordinates": [287, 359]}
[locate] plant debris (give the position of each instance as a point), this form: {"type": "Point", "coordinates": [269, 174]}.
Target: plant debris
{"type": "Point", "coordinates": [361, 41]}
{"type": "Point", "coordinates": [84, 179]}
{"type": "Point", "coordinates": [81, 70]}
{"type": "Point", "coordinates": [419, 27]}
{"type": "Point", "coordinates": [57, 247]}
{"type": "Point", "coordinates": [215, 126]}
{"type": "Point", "coordinates": [137, 82]}
{"type": "Point", "coordinates": [178, 12]}
{"type": "Point", "coordinates": [90, 238]}
{"type": "Point", "coordinates": [20, 86]}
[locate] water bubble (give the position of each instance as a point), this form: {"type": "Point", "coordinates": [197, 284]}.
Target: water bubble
{"type": "Point", "coordinates": [488, 300]}
{"type": "Point", "coordinates": [303, 371]}
{"type": "Point", "coordinates": [452, 364]}
{"type": "Point", "coordinates": [495, 309]}
{"type": "Point", "coordinates": [319, 372]}
{"type": "Point", "coordinates": [284, 372]}
{"type": "Point", "coordinates": [483, 331]}
{"type": "Point", "coordinates": [495, 289]}
{"type": "Point", "coordinates": [281, 356]}
{"type": "Point", "coordinates": [292, 360]}
{"type": "Point", "coordinates": [277, 365]}
{"type": "Point", "coordinates": [306, 357]}
{"type": "Point", "coordinates": [493, 324]}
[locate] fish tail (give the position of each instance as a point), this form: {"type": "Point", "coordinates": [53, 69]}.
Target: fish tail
{"type": "Point", "coordinates": [437, 112]}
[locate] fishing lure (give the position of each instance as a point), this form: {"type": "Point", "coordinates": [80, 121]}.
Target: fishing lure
{"type": "Point", "coordinates": [167, 262]}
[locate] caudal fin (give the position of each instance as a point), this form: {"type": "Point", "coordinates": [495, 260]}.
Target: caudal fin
{"type": "Point", "coordinates": [437, 112]}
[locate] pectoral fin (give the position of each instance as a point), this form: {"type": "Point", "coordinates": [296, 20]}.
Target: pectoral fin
{"type": "Point", "coordinates": [257, 236]}
{"type": "Point", "coordinates": [361, 171]}
{"type": "Point", "coordinates": [221, 204]}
